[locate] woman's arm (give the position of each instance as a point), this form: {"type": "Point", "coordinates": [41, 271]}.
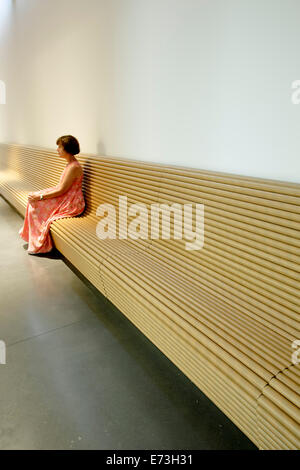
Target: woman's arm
{"type": "Point", "coordinates": [71, 174]}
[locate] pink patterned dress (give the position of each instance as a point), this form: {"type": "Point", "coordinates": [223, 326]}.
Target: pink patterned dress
{"type": "Point", "coordinates": [40, 214]}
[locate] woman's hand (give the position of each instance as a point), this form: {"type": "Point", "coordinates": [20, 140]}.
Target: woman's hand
{"type": "Point", "coordinates": [32, 197]}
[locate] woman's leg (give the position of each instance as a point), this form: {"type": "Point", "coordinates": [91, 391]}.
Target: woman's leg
{"type": "Point", "coordinates": [37, 214]}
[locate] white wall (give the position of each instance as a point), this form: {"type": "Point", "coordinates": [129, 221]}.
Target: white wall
{"type": "Point", "coordinates": [200, 83]}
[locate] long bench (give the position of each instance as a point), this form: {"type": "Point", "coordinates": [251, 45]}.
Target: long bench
{"type": "Point", "coordinates": [226, 315]}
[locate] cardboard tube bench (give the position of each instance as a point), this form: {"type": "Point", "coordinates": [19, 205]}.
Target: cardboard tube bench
{"type": "Point", "coordinates": [227, 315]}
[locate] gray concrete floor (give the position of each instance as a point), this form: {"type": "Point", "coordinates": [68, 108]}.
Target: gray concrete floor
{"type": "Point", "coordinates": [79, 375]}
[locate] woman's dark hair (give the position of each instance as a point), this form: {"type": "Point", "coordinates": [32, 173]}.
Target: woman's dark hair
{"type": "Point", "coordinates": [69, 143]}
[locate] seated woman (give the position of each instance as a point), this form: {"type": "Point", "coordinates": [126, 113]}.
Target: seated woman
{"type": "Point", "coordinates": [64, 200]}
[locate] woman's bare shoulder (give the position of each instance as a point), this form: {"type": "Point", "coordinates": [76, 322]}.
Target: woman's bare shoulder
{"type": "Point", "coordinates": [80, 170]}
{"type": "Point", "coordinates": [75, 169]}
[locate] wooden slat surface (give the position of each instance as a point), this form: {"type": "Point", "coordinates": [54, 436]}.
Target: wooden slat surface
{"type": "Point", "coordinates": [227, 314]}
